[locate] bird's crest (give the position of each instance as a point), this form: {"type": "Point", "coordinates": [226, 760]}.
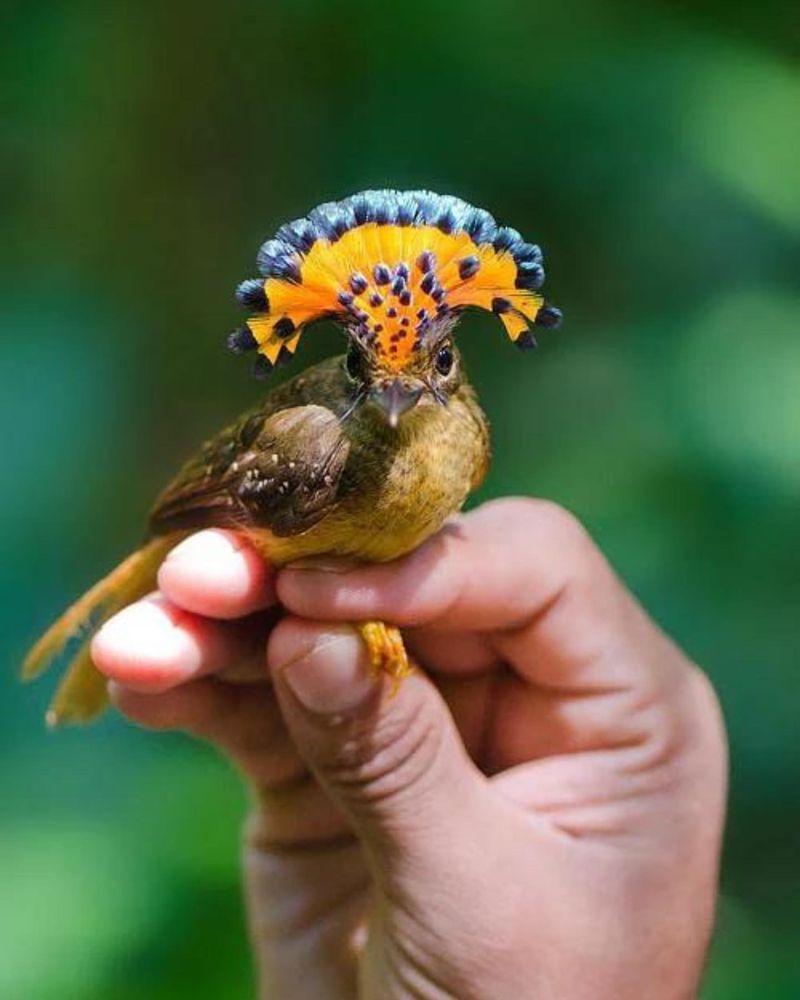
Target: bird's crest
{"type": "Point", "coordinates": [387, 265]}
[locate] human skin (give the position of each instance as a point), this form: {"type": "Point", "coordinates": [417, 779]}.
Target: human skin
{"type": "Point", "coordinates": [535, 813]}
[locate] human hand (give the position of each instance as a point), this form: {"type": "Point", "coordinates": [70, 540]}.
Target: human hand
{"type": "Point", "coordinates": [538, 814]}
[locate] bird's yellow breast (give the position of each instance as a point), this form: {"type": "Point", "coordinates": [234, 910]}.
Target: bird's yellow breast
{"type": "Point", "coordinates": [407, 482]}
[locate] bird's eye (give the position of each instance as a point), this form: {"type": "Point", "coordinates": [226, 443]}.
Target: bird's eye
{"type": "Point", "coordinates": [444, 360]}
{"type": "Point", "coordinates": [354, 363]}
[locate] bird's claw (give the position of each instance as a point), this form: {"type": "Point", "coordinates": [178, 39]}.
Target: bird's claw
{"type": "Point", "coordinates": [387, 654]}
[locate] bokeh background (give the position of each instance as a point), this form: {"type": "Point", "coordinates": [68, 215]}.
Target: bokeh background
{"type": "Point", "coordinates": [147, 149]}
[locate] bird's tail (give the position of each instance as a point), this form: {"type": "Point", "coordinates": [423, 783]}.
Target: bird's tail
{"type": "Point", "coordinates": [81, 694]}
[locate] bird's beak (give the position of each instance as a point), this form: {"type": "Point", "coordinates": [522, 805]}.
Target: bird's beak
{"type": "Point", "coordinates": [395, 398]}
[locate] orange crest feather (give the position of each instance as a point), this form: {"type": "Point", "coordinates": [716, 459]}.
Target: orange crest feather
{"type": "Point", "coordinates": [387, 265]}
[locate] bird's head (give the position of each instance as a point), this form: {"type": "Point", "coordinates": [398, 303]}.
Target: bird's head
{"type": "Point", "coordinates": [429, 375]}
{"type": "Point", "coordinates": [396, 270]}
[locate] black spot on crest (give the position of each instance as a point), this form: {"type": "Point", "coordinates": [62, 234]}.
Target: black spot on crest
{"type": "Point", "coordinates": [251, 295]}
{"type": "Point", "coordinates": [300, 234]}
{"type": "Point", "coordinates": [468, 267]}
{"type": "Point", "coordinates": [426, 261]}
{"type": "Point", "coordinates": [262, 367]}
{"type": "Point", "coordinates": [526, 341]}
{"type": "Point", "coordinates": [242, 340]}
{"type": "Point", "coordinates": [530, 275]}
{"type": "Point", "coordinates": [548, 316]}
{"type": "Point", "coordinates": [507, 239]}
{"type": "Point", "coordinates": [284, 328]}
{"type": "Point", "coordinates": [358, 283]}
{"type": "Point", "coordinates": [446, 221]}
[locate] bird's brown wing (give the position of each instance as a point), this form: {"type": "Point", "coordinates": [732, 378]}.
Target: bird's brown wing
{"type": "Point", "coordinates": [281, 471]}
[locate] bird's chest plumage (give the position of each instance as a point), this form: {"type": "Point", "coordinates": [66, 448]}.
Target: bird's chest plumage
{"type": "Point", "coordinates": [399, 486]}
{"type": "Point", "coordinates": [417, 482]}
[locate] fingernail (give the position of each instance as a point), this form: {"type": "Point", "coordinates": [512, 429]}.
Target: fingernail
{"type": "Point", "coordinates": [332, 676]}
{"type": "Point", "coordinates": [323, 565]}
{"type": "Point", "coordinates": [205, 546]}
{"type": "Point", "coordinates": [143, 642]}
{"type": "Point", "coordinates": [145, 621]}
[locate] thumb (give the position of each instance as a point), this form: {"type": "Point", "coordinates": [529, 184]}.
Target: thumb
{"type": "Point", "coordinates": [393, 762]}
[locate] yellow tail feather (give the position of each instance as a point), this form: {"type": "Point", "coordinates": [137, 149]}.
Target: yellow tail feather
{"type": "Point", "coordinates": [81, 695]}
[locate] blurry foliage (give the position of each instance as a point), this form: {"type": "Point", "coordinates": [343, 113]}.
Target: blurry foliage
{"type": "Point", "coordinates": [147, 149]}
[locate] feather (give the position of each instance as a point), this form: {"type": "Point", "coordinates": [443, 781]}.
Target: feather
{"type": "Point", "coordinates": [81, 694]}
{"type": "Point", "coordinates": [385, 264]}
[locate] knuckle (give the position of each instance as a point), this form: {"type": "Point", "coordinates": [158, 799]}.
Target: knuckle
{"type": "Point", "coordinates": [540, 517]}
{"type": "Point", "coordinates": [678, 714]}
{"type": "Point", "coordinates": [707, 710]}
{"type": "Point", "coordinates": [557, 520]}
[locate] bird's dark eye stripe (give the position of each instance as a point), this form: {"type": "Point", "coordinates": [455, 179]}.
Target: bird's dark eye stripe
{"type": "Point", "coordinates": [354, 363]}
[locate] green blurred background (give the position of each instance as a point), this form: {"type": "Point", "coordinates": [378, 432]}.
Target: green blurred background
{"type": "Point", "coordinates": [148, 149]}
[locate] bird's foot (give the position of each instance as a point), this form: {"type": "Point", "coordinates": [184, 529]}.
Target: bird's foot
{"type": "Point", "coordinates": [387, 654]}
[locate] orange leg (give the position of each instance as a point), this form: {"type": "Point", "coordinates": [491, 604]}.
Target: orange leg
{"type": "Point", "coordinates": [387, 654]}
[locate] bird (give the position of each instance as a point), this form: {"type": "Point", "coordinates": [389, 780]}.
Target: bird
{"type": "Point", "coordinates": [362, 456]}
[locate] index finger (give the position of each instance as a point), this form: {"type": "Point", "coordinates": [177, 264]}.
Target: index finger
{"type": "Point", "coordinates": [523, 571]}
